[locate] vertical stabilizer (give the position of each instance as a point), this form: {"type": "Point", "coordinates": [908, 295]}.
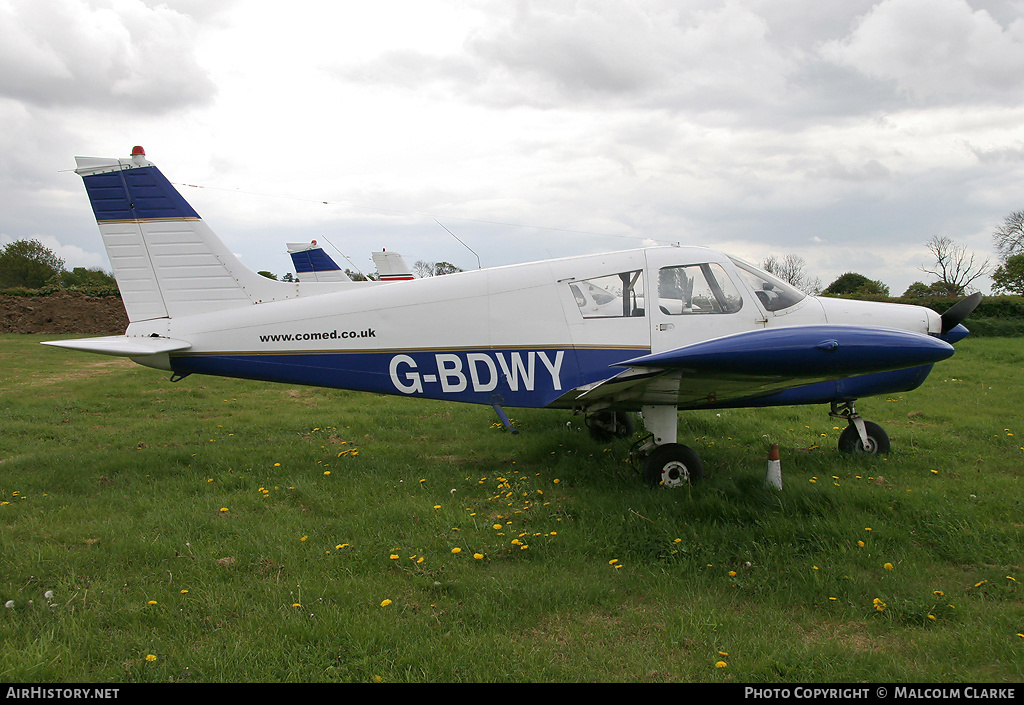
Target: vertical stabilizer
{"type": "Point", "coordinates": [313, 264]}
{"type": "Point", "coordinates": [391, 267]}
{"type": "Point", "coordinates": [166, 260]}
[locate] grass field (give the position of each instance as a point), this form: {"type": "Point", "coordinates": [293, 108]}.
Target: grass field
{"type": "Point", "coordinates": [214, 530]}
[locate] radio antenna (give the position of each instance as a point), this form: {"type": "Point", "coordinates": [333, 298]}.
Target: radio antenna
{"type": "Point", "coordinates": [478, 265]}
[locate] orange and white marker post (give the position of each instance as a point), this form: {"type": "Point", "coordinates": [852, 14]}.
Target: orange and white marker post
{"type": "Point", "coordinates": [773, 477]}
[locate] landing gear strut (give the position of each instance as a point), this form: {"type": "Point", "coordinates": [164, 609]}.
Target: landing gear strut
{"type": "Point", "coordinates": [860, 437]}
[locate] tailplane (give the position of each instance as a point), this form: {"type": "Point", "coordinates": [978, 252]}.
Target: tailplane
{"type": "Point", "coordinates": [165, 258]}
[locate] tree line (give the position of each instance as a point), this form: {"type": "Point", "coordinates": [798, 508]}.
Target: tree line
{"type": "Point", "coordinates": [29, 264]}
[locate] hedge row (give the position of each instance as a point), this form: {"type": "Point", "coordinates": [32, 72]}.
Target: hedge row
{"type": "Point", "coordinates": [93, 291]}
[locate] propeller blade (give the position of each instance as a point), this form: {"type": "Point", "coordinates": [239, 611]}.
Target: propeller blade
{"type": "Point", "coordinates": [956, 313]}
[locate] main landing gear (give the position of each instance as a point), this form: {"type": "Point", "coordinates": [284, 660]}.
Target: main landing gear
{"type": "Point", "coordinates": [860, 437]}
{"type": "Point", "coordinates": [663, 462]}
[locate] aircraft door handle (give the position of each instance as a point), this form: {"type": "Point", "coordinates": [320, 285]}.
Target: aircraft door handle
{"type": "Point", "coordinates": [666, 326]}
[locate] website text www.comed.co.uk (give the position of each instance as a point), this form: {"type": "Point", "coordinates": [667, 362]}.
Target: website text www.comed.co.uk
{"type": "Point", "coordinates": [324, 335]}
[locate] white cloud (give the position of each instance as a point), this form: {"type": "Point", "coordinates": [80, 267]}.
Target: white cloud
{"type": "Point", "coordinates": [72, 52]}
{"type": "Point", "coordinates": [936, 50]}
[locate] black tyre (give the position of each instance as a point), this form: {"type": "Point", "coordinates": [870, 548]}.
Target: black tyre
{"type": "Point", "coordinates": [878, 440]}
{"type": "Point", "coordinates": [672, 465]}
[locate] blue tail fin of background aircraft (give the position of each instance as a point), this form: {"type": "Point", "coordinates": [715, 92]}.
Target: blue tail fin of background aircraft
{"type": "Point", "coordinates": [313, 264]}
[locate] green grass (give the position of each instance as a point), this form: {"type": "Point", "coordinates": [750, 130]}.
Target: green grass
{"type": "Point", "coordinates": [261, 520]}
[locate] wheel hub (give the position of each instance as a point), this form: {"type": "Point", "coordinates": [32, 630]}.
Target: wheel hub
{"type": "Point", "coordinates": [675, 474]}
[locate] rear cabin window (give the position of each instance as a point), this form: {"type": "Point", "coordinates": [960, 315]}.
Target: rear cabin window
{"type": "Point", "coordinates": [697, 289]}
{"type": "Point", "coordinates": [613, 296]}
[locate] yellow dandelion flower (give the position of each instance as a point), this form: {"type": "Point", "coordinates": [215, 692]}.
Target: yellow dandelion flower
{"type": "Point", "coordinates": [296, 604]}
{"type": "Point", "coordinates": [613, 561]}
{"type": "Point", "coordinates": [723, 653]}
{"type": "Point", "coordinates": [184, 592]}
{"type": "Point", "coordinates": [394, 556]}
{"type": "Point", "coordinates": [303, 538]}
{"type": "Point", "coordinates": [223, 509]}
{"type": "Point", "coordinates": [721, 664]}
{"type": "Point", "coordinates": [151, 602]}
{"type": "Point", "coordinates": [861, 544]}
{"type": "Point", "coordinates": [437, 506]}
{"type": "Point", "coordinates": [496, 526]}
{"type": "Point", "coordinates": [456, 550]}
{"type": "Point", "coordinates": [732, 573]}
{"type": "Point", "coordinates": [478, 556]}
{"type": "Point", "coordinates": [385, 603]}
{"type": "Point", "coordinates": [887, 566]}
{"type": "Point", "coordinates": [1010, 577]}
{"type": "Point", "coordinates": [277, 465]}
{"type": "Point", "coordinates": [931, 616]}
{"type": "Point", "coordinates": [420, 559]}
{"type": "Point", "coordinates": [938, 593]}
{"type": "Point", "coordinates": [150, 657]}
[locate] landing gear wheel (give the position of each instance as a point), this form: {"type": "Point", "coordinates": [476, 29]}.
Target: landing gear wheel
{"type": "Point", "coordinates": [878, 440]}
{"type": "Point", "coordinates": [608, 425]}
{"type": "Point", "coordinates": [672, 465]}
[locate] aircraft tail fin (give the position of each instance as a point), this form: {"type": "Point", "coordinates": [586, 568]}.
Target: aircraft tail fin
{"type": "Point", "coordinates": [165, 258]}
{"type": "Point", "coordinates": [391, 267]}
{"type": "Point", "coordinates": [311, 262]}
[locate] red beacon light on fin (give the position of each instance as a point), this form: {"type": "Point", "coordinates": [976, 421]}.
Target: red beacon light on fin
{"type": "Point", "coordinates": [138, 151]}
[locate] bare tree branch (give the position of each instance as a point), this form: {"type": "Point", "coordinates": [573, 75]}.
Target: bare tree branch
{"type": "Point", "coordinates": [1009, 237]}
{"type": "Point", "coordinates": [954, 266]}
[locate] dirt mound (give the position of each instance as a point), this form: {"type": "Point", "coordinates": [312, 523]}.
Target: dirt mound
{"type": "Point", "coordinates": [63, 313]}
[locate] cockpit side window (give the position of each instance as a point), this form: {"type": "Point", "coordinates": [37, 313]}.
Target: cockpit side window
{"type": "Point", "coordinates": [613, 296]}
{"type": "Point", "coordinates": [773, 293]}
{"type": "Point", "coordinates": [697, 289]}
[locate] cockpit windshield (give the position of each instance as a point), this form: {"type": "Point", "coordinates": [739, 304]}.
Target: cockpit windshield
{"type": "Point", "coordinates": [773, 293]}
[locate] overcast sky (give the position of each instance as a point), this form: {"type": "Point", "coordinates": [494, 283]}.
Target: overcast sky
{"type": "Point", "coordinates": [847, 133]}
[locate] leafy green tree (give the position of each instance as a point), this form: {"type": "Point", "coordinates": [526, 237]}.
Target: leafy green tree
{"type": "Point", "coordinates": [82, 277]}
{"type": "Point", "coordinates": [920, 290]}
{"type": "Point", "coordinates": [268, 275]}
{"type": "Point", "coordinates": [28, 263]}
{"type": "Point", "coordinates": [1008, 278]}
{"type": "Point", "coordinates": [854, 284]}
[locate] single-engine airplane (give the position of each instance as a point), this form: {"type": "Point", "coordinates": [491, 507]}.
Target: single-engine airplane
{"type": "Point", "coordinates": [651, 330]}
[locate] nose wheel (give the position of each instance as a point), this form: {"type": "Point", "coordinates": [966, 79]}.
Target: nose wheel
{"type": "Point", "coordinates": [860, 437]}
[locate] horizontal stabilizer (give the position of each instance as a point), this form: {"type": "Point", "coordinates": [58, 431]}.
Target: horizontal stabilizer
{"type": "Point", "coordinates": [123, 345]}
{"type": "Point", "coordinates": [803, 352]}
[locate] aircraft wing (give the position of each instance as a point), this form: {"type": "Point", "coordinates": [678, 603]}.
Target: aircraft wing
{"type": "Point", "coordinates": [763, 363]}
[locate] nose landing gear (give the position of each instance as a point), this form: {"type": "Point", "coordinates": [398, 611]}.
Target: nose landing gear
{"type": "Point", "coordinates": [860, 437]}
